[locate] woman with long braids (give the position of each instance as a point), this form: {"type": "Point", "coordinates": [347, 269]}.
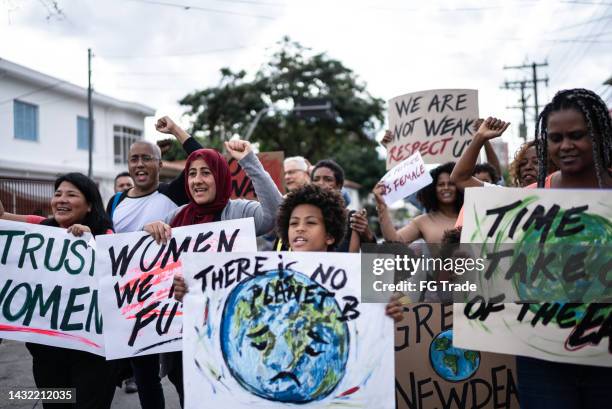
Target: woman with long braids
{"type": "Point", "coordinates": [574, 131]}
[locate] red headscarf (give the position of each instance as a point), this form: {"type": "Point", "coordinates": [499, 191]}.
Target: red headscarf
{"type": "Point", "coordinates": [194, 213]}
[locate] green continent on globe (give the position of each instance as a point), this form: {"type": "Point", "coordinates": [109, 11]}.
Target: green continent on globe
{"type": "Point", "coordinates": [442, 344]}
{"type": "Point", "coordinates": [306, 318]}
{"type": "Point", "coordinates": [596, 232]}
{"type": "Point", "coordinates": [299, 341]}
{"type": "Point", "coordinates": [471, 356]}
{"type": "Point", "coordinates": [283, 338]}
{"type": "Point", "coordinates": [452, 362]}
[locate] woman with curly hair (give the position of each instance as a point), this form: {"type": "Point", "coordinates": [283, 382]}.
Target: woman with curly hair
{"type": "Point", "coordinates": [524, 168]}
{"type": "Point", "coordinates": [442, 201]}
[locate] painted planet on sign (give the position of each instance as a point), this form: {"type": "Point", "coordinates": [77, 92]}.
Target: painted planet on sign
{"type": "Point", "coordinates": [450, 363]}
{"type": "Point", "coordinates": [588, 248]}
{"type": "Point", "coordinates": [282, 338]}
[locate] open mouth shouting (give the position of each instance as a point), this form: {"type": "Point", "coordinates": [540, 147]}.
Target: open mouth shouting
{"type": "Point", "coordinates": [299, 242]}
{"type": "Point", "coordinates": [141, 176]}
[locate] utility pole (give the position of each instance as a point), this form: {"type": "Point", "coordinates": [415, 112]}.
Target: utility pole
{"type": "Point", "coordinates": [90, 114]}
{"type": "Point", "coordinates": [521, 85]}
{"type": "Point", "coordinates": [533, 82]}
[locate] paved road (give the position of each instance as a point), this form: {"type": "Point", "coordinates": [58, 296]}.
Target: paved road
{"type": "Point", "coordinates": [16, 372]}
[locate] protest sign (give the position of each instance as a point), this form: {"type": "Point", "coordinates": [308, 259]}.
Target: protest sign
{"type": "Point", "coordinates": [141, 316]}
{"type": "Point", "coordinates": [48, 289]}
{"type": "Point", "coordinates": [264, 330]}
{"type": "Point", "coordinates": [405, 178]}
{"type": "Point", "coordinates": [242, 186]}
{"type": "Point", "coordinates": [431, 373]}
{"type": "Point", "coordinates": [559, 331]}
{"type": "Point", "coordinates": [436, 123]}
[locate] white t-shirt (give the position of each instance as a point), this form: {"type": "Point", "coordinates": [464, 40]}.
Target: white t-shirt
{"type": "Point", "coordinates": [132, 213]}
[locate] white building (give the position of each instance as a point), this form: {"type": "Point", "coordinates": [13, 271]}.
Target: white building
{"type": "Point", "coordinates": [45, 132]}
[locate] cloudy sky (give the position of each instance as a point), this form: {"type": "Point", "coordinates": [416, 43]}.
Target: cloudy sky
{"type": "Point", "coordinates": [155, 52]}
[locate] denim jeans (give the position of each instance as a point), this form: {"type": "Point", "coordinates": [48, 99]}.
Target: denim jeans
{"type": "Point", "coordinates": [552, 385]}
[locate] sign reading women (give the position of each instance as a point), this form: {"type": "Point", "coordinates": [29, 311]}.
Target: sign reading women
{"type": "Point", "coordinates": [141, 316]}
{"type": "Point", "coordinates": [48, 288]}
{"type": "Point", "coordinates": [436, 123]}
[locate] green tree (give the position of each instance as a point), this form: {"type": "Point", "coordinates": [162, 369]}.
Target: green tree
{"type": "Point", "coordinates": [294, 73]}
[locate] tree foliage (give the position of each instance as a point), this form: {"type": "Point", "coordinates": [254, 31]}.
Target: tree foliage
{"type": "Point", "coordinates": [292, 74]}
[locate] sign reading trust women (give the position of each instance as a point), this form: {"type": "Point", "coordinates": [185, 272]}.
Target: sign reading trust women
{"type": "Point", "coordinates": [437, 123]}
{"type": "Point", "coordinates": [557, 253]}
{"type": "Point", "coordinates": [48, 289]}
{"type": "Point", "coordinates": [141, 316]}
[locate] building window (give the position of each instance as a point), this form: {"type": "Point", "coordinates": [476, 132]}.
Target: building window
{"type": "Point", "coordinates": [83, 133]}
{"type": "Point", "coordinates": [25, 118]}
{"type": "Point", "coordinates": [124, 137]}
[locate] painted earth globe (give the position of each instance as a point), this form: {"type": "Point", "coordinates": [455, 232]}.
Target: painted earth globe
{"type": "Point", "coordinates": [450, 363]}
{"type": "Point", "coordinates": [588, 248]}
{"type": "Point", "coordinates": [283, 337]}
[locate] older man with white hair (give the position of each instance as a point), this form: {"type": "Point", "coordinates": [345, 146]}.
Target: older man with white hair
{"type": "Point", "coordinates": [296, 172]}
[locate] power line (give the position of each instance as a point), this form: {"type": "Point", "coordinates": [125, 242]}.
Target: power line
{"type": "Point", "coordinates": [156, 73]}
{"type": "Point", "coordinates": [586, 31]}
{"type": "Point", "coordinates": [593, 20]}
{"type": "Point", "coordinates": [255, 3]}
{"type": "Point", "coordinates": [593, 3]}
{"type": "Point", "coordinates": [582, 51]}
{"type": "Point", "coordinates": [533, 82]}
{"type": "Point", "coordinates": [583, 41]}
{"type": "Point", "coordinates": [185, 54]}
{"type": "Point", "coordinates": [583, 37]}
{"type": "Point", "coordinates": [189, 7]}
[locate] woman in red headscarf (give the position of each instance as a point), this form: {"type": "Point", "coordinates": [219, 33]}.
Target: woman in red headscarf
{"type": "Point", "coordinates": [208, 186]}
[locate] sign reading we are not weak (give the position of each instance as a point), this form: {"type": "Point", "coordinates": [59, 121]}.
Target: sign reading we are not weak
{"type": "Point", "coordinates": [436, 123]}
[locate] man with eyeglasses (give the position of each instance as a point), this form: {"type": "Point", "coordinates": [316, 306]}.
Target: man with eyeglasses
{"type": "Point", "coordinates": [146, 202]}
{"type": "Point", "coordinates": [296, 172]}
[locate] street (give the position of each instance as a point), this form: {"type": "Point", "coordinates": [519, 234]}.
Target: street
{"type": "Point", "coordinates": [16, 373]}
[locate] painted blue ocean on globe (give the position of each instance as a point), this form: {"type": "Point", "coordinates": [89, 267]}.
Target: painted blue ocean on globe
{"type": "Point", "coordinates": [282, 337]}
{"type": "Point", "coordinates": [450, 363]}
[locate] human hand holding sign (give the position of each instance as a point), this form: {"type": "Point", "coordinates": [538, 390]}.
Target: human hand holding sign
{"type": "Point", "coordinates": [160, 231]}
{"type": "Point", "coordinates": [387, 138]}
{"type": "Point", "coordinates": [394, 308]}
{"type": "Point", "coordinates": [238, 148]}
{"type": "Point", "coordinates": [379, 191]}
{"type": "Point", "coordinates": [78, 229]}
{"type": "Point", "coordinates": [180, 287]}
